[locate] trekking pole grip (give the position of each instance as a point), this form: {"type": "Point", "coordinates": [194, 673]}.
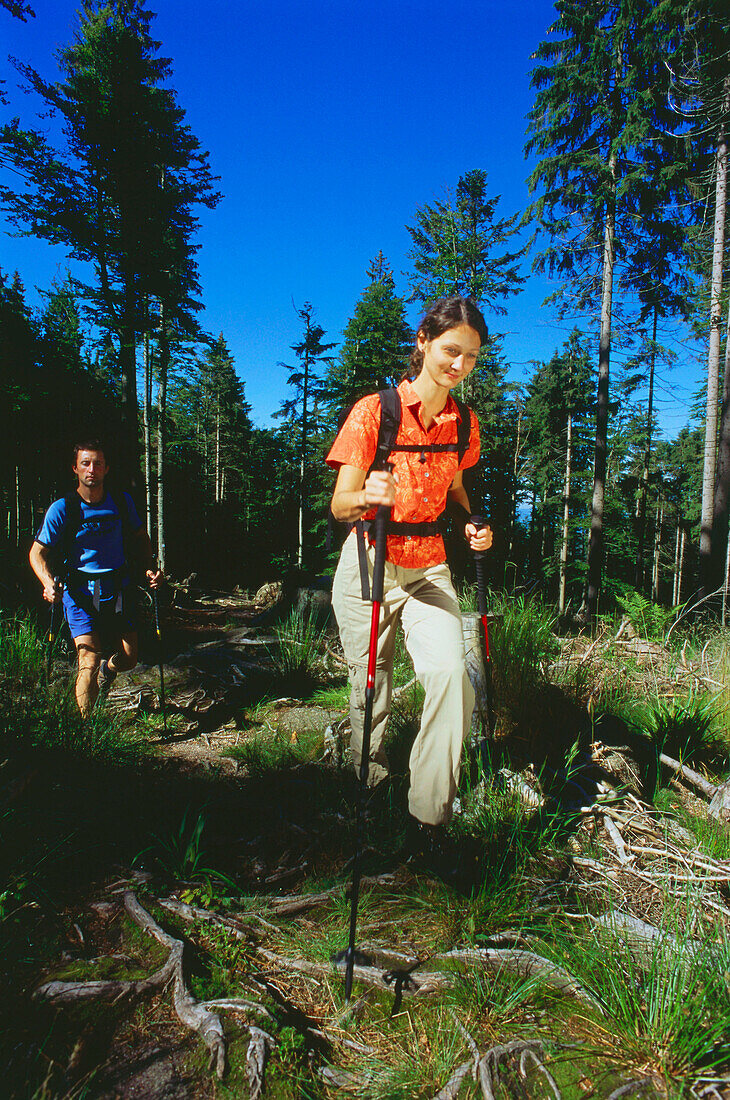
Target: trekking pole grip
{"type": "Point", "coordinates": [381, 534]}
{"type": "Point", "coordinates": [479, 522]}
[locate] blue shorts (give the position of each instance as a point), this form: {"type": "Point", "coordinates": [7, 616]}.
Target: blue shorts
{"type": "Point", "coordinates": [116, 614]}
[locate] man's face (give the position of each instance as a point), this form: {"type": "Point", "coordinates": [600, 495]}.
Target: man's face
{"type": "Point", "coordinates": [91, 468]}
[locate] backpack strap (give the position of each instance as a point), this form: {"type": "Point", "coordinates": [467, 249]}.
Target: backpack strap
{"type": "Point", "coordinates": [390, 417]}
{"type": "Point", "coordinates": [463, 428]}
{"type": "Point", "coordinates": [71, 525]}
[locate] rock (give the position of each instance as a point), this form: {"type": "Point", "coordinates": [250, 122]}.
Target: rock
{"type": "Point", "coordinates": [315, 603]}
{"type": "Point", "coordinates": [268, 594]}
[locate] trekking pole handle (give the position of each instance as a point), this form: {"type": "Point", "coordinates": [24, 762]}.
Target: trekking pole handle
{"type": "Point", "coordinates": [479, 555]}
{"type": "Point", "coordinates": [380, 524]}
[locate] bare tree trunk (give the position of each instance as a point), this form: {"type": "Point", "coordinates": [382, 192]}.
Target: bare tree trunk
{"type": "Point", "coordinates": [643, 491]}
{"type": "Point", "coordinates": [675, 574]}
{"type": "Point", "coordinates": [161, 436]}
{"type": "Point", "coordinates": [721, 506]}
{"type": "Point", "coordinates": [218, 479]}
{"type": "Point", "coordinates": [595, 545]}
{"type": "Point", "coordinates": [147, 425]}
{"type": "Point", "coordinates": [725, 583]}
{"type": "Point", "coordinates": [303, 453]}
{"type": "Point", "coordinates": [17, 522]}
{"type": "Point", "coordinates": [566, 517]}
{"type": "Point", "coordinates": [657, 549]}
{"type": "Point", "coordinates": [513, 495]}
{"type": "Point", "coordinates": [681, 564]}
{"type": "Point", "coordinates": [713, 354]}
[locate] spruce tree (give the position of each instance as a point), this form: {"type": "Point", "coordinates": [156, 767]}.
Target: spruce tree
{"type": "Point", "coordinates": [600, 103]}
{"type": "Point", "coordinates": [457, 247]}
{"type": "Point", "coordinates": [376, 345]}
{"type": "Point", "coordinates": [120, 194]}
{"type": "Point", "coordinates": [303, 414]}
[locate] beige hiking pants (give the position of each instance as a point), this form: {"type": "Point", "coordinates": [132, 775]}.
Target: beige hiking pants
{"type": "Point", "coordinates": [425, 601]}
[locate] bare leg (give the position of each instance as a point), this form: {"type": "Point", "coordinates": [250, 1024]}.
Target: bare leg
{"type": "Point", "coordinates": [88, 651]}
{"type": "Point", "coordinates": [125, 657]}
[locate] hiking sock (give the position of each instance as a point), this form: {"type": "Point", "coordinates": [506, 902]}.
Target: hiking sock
{"type": "Point", "coordinates": [106, 677]}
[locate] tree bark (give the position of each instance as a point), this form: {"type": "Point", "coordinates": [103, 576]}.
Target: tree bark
{"type": "Point", "coordinates": [596, 542]}
{"type": "Point", "coordinates": [147, 425]}
{"type": "Point", "coordinates": [566, 517]}
{"type": "Point", "coordinates": [644, 489]}
{"type": "Point", "coordinates": [713, 354]}
{"type": "Point", "coordinates": [721, 505]}
{"type": "Point", "coordinates": [657, 549]}
{"type": "Point", "coordinates": [161, 436]}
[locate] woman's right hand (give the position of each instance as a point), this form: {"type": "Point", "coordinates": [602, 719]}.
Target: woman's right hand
{"type": "Point", "coordinates": [380, 487]}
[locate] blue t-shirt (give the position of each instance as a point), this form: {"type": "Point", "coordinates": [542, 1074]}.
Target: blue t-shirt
{"type": "Point", "coordinates": [99, 543]}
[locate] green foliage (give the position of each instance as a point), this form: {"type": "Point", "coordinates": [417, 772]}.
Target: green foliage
{"type": "Point", "coordinates": [669, 1010]}
{"type": "Point", "coordinates": [455, 240]}
{"type": "Point", "coordinates": [298, 658]}
{"type": "Point", "coordinates": [521, 643]}
{"type": "Point", "coordinates": [34, 714]}
{"type": "Point", "coordinates": [376, 345]}
{"type": "Point", "coordinates": [181, 856]}
{"type": "Point", "coordinates": [263, 755]}
{"type": "Point", "coordinates": [648, 619]}
{"type": "Point", "coordinates": [685, 727]}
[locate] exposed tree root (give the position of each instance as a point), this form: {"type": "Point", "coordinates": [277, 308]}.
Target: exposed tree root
{"type": "Point", "coordinates": [190, 1012]}
{"type": "Point", "coordinates": [526, 964]}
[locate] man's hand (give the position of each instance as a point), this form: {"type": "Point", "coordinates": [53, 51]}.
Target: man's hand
{"type": "Point", "coordinates": [52, 590]}
{"type": "Point", "coordinates": [479, 540]}
{"type": "Point", "coordinates": [155, 578]}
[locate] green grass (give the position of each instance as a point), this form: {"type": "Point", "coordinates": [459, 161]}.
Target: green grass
{"type": "Point", "coordinates": [298, 656]}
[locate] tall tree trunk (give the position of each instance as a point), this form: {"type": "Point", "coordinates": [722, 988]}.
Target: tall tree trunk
{"type": "Point", "coordinates": [721, 507]}
{"type": "Point", "coordinates": [218, 478]}
{"type": "Point", "coordinates": [566, 515]}
{"type": "Point", "coordinates": [161, 436]}
{"type": "Point", "coordinates": [129, 457]}
{"type": "Point", "coordinates": [713, 354]}
{"type": "Point", "coordinates": [303, 454]}
{"type": "Point", "coordinates": [16, 517]}
{"type": "Point", "coordinates": [675, 574]}
{"type": "Point", "coordinates": [595, 545]}
{"type": "Point", "coordinates": [513, 494]}
{"type": "Point", "coordinates": [644, 488]}
{"type": "Point", "coordinates": [657, 549]}
{"type": "Point", "coordinates": [147, 424]}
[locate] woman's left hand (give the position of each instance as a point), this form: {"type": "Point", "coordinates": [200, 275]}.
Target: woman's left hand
{"type": "Point", "coordinates": [479, 540]}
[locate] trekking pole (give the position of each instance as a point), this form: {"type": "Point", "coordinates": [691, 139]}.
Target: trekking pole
{"type": "Point", "coordinates": [156, 606]}
{"type": "Point", "coordinates": [381, 523]}
{"type": "Point", "coordinates": [479, 555]}
{"type": "Point", "coordinates": [52, 629]}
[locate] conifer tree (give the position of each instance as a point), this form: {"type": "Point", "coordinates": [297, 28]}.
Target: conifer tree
{"type": "Point", "coordinates": [601, 100]}
{"type": "Point", "coordinates": [376, 345]}
{"type": "Point", "coordinates": [120, 194]}
{"type": "Point", "coordinates": [303, 412]}
{"type": "Point", "coordinates": [457, 243]}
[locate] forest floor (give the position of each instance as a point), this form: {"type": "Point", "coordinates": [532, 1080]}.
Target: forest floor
{"type": "Point", "coordinates": [173, 901]}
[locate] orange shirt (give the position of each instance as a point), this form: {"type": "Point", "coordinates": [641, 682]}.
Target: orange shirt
{"type": "Point", "coordinates": [422, 486]}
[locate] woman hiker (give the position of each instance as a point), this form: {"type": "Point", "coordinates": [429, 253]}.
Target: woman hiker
{"type": "Point", "coordinates": [430, 454]}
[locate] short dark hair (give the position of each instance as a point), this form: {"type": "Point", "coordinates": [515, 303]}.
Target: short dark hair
{"type": "Point", "coordinates": [444, 314]}
{"type": "Point", "coordinates": [90, 443]}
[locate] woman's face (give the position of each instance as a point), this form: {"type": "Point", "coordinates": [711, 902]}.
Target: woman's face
{"type": "Point", "coordinates": [450, 357]}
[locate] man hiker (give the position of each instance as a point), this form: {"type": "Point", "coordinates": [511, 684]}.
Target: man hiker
{"type": "Point", "coordinates": [92, 539]}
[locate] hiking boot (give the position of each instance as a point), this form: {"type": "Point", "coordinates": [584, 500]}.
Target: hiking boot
{"type": "Point", "coordinates": [459, 863]}
{"type": "Point", "coordinates": [105, 678]}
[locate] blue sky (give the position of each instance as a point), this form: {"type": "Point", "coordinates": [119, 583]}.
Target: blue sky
{"type": "Point", "coordinates": [329, 123]}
